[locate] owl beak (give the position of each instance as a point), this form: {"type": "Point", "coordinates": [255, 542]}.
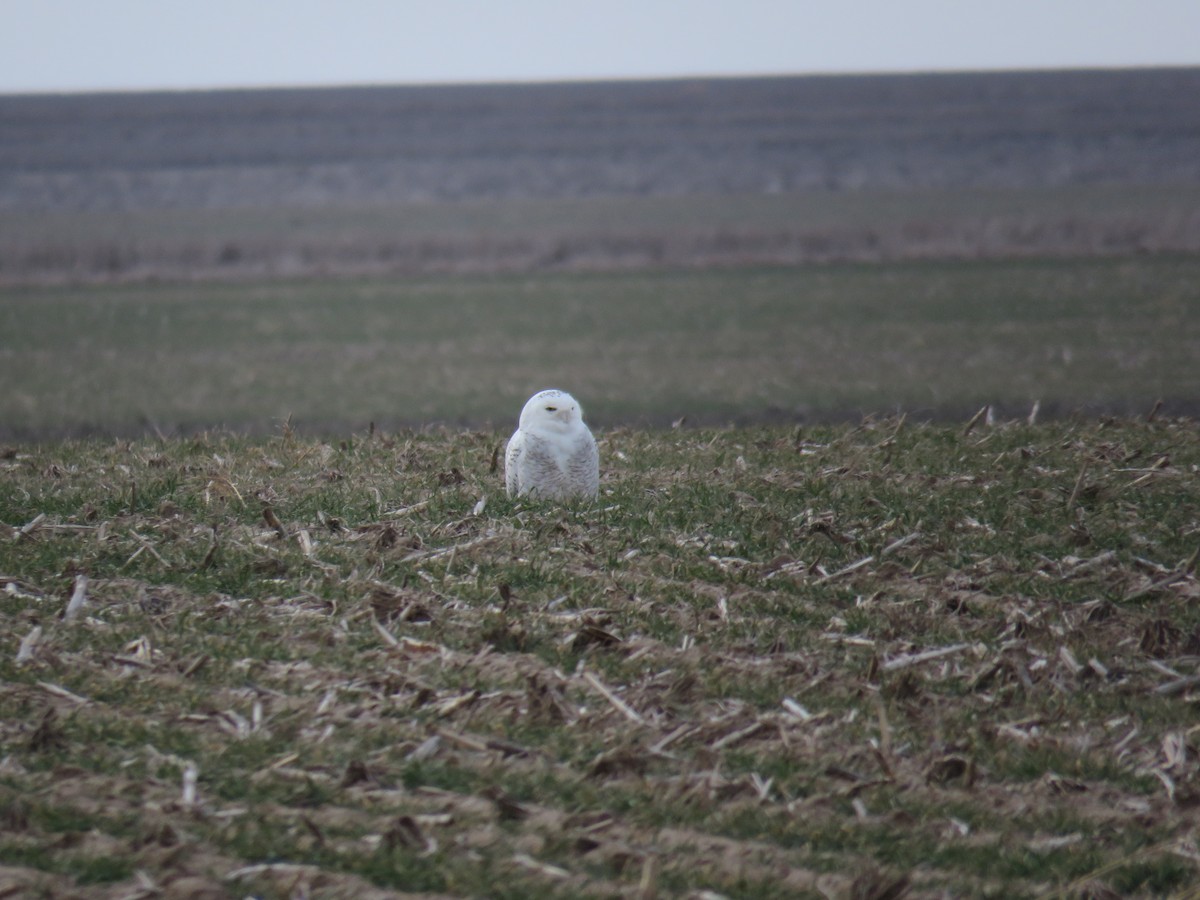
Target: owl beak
{"type": "Point", "coordinates": [564, 414]}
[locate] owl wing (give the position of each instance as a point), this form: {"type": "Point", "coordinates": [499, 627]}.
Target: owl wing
{"type": "Point", "coordinates": [512, 463]}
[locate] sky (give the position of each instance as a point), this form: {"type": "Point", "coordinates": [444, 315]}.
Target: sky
{"type": "Point", "coordinates": [88, 45]}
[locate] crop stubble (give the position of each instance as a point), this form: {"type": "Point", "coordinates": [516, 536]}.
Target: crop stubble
{"type": "Point", "coordinates": [767, 662]}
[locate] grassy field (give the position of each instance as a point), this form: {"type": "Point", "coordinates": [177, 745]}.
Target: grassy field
{"type": "Point", "coordinates": [823, 661]}
{"type": "Point", "coordinates": [722, 345]}
{"type": "Point", "coordinates": [269, 626]}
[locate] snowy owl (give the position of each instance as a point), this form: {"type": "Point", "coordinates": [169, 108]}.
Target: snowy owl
{"type": "Point", "coordinates": [552, 454]}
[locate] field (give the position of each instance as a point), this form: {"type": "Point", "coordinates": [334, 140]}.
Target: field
{"type": "Point", "coordinates": [392, 145]}
{"type": "Point", "coordinates": [728, 250]}
{"type": "Point", "coordinates": [536, 236]}
{"type": "Point", "coordinates": [528, 178]}
{"type": "Point", "coordinates": [826, 661]}
{"type": "Point", "coordinates": [935, 339]}
{"type": "Point", "coordinates": [891, 586]}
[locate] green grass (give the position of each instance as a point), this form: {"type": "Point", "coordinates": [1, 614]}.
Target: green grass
{"type": "Point", "coordinates": [719, 345]}
{"type": "Point", "coordinates": [401, 693]}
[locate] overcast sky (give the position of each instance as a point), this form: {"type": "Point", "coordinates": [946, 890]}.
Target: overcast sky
{"type": "Point", "coordinates": [67, 45]}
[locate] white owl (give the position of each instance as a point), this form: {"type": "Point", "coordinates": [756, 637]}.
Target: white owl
{"type": "Point", "coordinates": [552, 454]}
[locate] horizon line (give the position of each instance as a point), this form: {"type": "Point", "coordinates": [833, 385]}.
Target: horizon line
{"type": "Point", "coordinates": [597, 79]}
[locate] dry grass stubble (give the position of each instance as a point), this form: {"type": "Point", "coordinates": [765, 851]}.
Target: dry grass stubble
{"type": "Point", "coordinates": [845, 661]}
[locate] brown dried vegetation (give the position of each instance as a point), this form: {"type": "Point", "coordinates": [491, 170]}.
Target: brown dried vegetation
{"type": "Point", "coordinates": [875, 661]}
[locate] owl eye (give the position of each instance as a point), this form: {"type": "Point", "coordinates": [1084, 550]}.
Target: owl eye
{"type": "Point", "coordinates": [551, 409]}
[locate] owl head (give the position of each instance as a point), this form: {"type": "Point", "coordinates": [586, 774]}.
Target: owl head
{"type": "Point", "coordinates": [551, 411]}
